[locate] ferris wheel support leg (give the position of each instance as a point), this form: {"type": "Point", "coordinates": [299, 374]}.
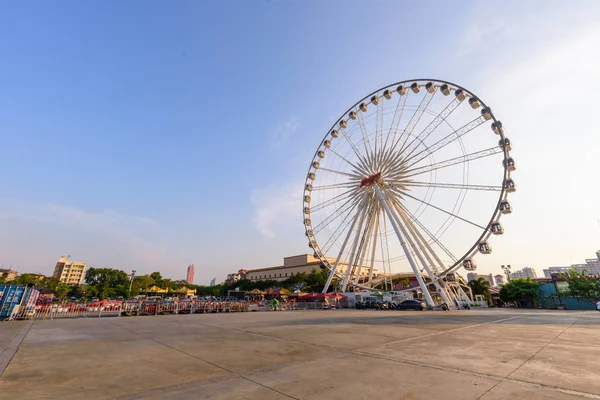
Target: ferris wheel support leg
{"type": "Point", "coordinates": [411, 261]}
{"type": "Point", "coordinates": [374, 247]}
{"type": "Point", "coordinates": [464, 296]}
{"type": "Point", "coordinates": [339, 257]}
{"type": "Point", "coordinates": [408, 231]}
{"type": "Point", "coordinates": [353, 255]}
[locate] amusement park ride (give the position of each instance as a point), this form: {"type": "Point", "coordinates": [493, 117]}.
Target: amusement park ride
{"type": "Point", "coordinates": [402, 180]}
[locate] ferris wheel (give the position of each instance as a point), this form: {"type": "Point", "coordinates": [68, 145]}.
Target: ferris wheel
{"type": "Point", "coordinates": [414, 176]}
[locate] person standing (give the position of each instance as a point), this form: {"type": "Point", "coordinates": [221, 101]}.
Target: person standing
{"type": "Point", "coordinates": [598, 304]}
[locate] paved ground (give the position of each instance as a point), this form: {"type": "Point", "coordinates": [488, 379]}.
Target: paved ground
{"type": "Point", "coordinates": [342, 354]}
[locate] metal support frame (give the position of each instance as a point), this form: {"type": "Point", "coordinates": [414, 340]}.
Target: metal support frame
{"type": "Point", "coordinates": [411, 261]}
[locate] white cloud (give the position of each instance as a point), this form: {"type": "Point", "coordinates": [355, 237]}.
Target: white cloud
{"type": "Point", "coordinates": [477, 35]}
{"type": "Point", "coordinates": [285, 131]}
{"type": "Point", "coordinates": [275, 206]}
{"type": "Point", "coordinates": [103, 238]}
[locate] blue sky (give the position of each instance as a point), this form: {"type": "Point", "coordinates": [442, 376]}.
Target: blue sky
{"type": "Point", "coordinates": [151, 135]}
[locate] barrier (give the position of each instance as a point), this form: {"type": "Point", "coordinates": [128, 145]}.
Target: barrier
{"type": "Point", "coordinates": [134, 308]}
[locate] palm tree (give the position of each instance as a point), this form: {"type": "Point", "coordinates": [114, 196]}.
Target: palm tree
{"type": "Point", "coordinates": [480, 286]}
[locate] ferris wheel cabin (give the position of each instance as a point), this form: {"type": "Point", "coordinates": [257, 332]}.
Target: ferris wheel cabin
{"type": "Point", "coordinates": [509, 164]}
{"type": "Point", "coordinates": [497, 228]}
{"type": "Point", "coordinates": [485, 248]}
{"type": "Point", "coordinates": [497, 127]}
{"type": "Point", "coordinates": [510, 185]}
{"type": "Point", "coordinates": [469, 264]}
{"type": "Point", "coordinates": [505, 207]}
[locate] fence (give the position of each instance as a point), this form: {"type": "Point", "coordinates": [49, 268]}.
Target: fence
{"type": "Point", "coordinates": [139, 308]}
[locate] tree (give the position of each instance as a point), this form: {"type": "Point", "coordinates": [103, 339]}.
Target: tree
{"type": "Point", "coordinates": [51, 283]}
{"type": "Point", "coordinates": [481, 287]}
{"type": "Point", "coordinates": [141, 284]}
{"type": "Point", "coordinates": [62, 290]}
{"type": "Point", "coordinates": [582, 286]}
{"type": "Point", "coordinates": [317, 278]}
{"type": "Point", "coordinates": [26, 279]}
{"type": "Point", "coordinates": [108, 281]}
{"type": "Point", "coordinates": [157, 277]}
{"type": "Point", "coordinates": [295, 282]}
{"type": "Point", "coordinates": [520, 290]}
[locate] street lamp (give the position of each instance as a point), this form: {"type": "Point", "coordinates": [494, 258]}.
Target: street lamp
{"type": "Point", "coordinates": [131, 283]}
{"type": "Point", "coordinates": [506, 269]}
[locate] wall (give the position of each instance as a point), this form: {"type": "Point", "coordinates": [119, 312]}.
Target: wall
{"type": "Point", "coordinates": [569, 303]}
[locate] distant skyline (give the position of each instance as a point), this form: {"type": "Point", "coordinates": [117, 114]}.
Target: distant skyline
{"type": "Point", "coordinates": [150, 136]}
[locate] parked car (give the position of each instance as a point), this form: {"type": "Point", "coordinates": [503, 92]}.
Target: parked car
{"type": "Point", "coordinates": [411, 305]}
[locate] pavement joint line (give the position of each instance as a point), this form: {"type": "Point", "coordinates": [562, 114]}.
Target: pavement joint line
{"type": "Point", "coordinates": [441, 332]}
{"type": "Point", "coordinates": [9, 352]}
{"type": "Point", "coordinates": [482, 375]}
{"type": "Point", "coordinates": [540, 350]}
{"type": "Point", "coordinates": [232, 375]}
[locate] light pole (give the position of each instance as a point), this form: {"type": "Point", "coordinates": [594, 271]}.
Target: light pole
{"type": "Point", "coordinates": [506, 269]}
{"type": "Point", "coordinates": [131, 283]}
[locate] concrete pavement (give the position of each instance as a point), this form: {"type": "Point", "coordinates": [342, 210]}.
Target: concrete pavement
{"type": "Point", "coordinates": [341, 354]}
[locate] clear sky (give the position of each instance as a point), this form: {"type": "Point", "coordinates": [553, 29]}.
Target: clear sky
{"type": "Point", "coordinates": [149, 135]}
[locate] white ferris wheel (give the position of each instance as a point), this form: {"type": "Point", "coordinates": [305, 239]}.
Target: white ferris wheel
{"type": "Point", "coordinates": [414, 176]}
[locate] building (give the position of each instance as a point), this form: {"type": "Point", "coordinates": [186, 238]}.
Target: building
{"type": "Point", "coordinates": [499, 279]}
{"type": "Point", "coordinates": [69, 272]}
{"type": "Point", "coordinates": [190, 274]}
{"type": "Point", "coordinates": [232, 278]}
{"type": "Point", "coordinates": [301, 263]}
{"type": "Point", "coordinates": [592, 266]}
{"type": "Point", "coordinates": [526, 272]}
{"type": "Point", "coordinates": [471, 276]}
{"type": "Point", "coordinates": [8, 274]}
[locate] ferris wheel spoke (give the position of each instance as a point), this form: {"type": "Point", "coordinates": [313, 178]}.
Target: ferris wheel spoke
{"type": "Point", "coordinates": [489, 188]}
{"type": "Point", "coordinates": [455, 135]}
{"type": "Point", "coordinates": [453, 161]}
{"type": "Point", "coordinates": [356, 167]}
{"type": "Point", "coordinates": [396, 119]}
{"type": "Point", "coordinates": [333, 200]}
{"type": "Point", "coordinates": [414, 120]}
{"type": "Point", "coordinates": [355, 176]}
{"type": "Point", "coordinates": [379, 127]}
{"type": "Point", "coordinates": [437, 121]}
{"type": "Point", "coordinates": [347, 207]}
{"type": "Point", "coordinates": [442, 210]}
{"type": "Point", "coordinates": [432, 236]}
{"type": "Point", "coordinates": [365, 134]}
{"type": "Point", "coordinates": [340, 185]}
{"type": "Point", "coordinates": [359, 156]}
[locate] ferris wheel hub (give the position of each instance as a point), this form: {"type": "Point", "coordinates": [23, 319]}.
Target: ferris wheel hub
{"type": "Point", "coordinates": [371, 179]}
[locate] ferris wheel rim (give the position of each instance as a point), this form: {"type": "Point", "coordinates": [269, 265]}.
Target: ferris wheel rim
{"type": "Point", "coordinates": [496, 215]}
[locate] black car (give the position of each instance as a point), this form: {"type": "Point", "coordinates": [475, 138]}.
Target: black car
{"type": "Point", "coordinates": [411, 305]}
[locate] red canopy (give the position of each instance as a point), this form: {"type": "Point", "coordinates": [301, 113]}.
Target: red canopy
{"type": "Point", "coordinates": [336, 296]}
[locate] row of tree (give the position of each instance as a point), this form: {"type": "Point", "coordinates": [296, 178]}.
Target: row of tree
{"type": "Point", "coordinates": [111, 283]}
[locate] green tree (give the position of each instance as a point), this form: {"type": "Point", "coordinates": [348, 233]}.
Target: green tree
{"type": "Point", "coordinates": [295, 282]}
{"type": "Point", "coordinates": [522, 291]}
{"type": "Point", "coordinates": [62, 290]}
{"type": "Point", "coordinates": [158, 279]}
{"type": "Point", "coordinates": [317, 278]}
{"type": "Point", "coordinates": [141, 284]}
{"type": "Point", "coordinates": [2, 280]}
{"type": "Point", "coordinates": [108, 281]}
{"type": "Point", "coordinates": [480, 286]}
{"type": "Point", "coordinates": [26, 279]}
{"type": "Point", "coordinates": [51, 283]}
{"type": "Point", "coordinates": [581, 286]}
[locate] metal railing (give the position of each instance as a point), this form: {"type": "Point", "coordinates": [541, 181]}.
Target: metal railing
{"type": "Point", "coordinates": [140, 308]}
